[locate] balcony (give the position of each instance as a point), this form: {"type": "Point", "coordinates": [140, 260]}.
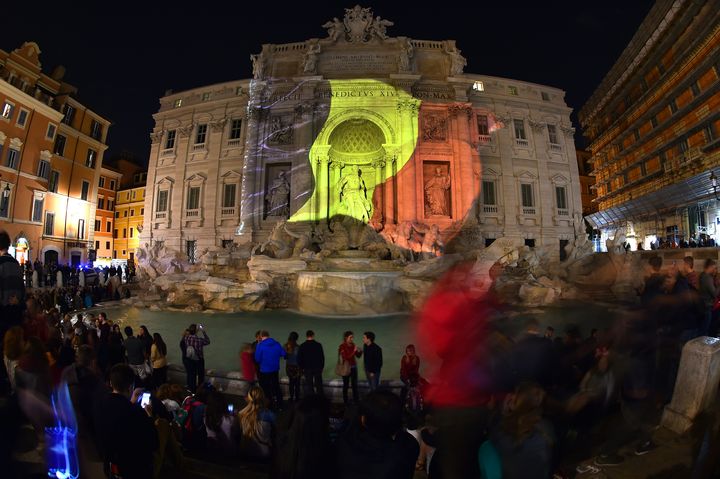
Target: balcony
{"type": "Point", "coordinates": [236, 143]}
{"type": "Point", "coordinates": [227, 211]}
{"type": "Point", "coordinates": [555, 147]}
{"type": "Point", "coordinates": [528, 211]}
{"type": "Point", "coordinates": [199, 147]}
{"type": "Point", "coordinates": [522, 143]}
{"type": "Point", "coordinates": [563, 212]}
{"type": "Point", "coordinates": [192, 213]}
{"type": "Point", "coordinates": [167, 152]}
{"type": "Point", "coordinates": [484, 139]}
{"type": "Point", "coordinates": [490, 209]}
{"type": "Point", "coordinates": [161, 215]}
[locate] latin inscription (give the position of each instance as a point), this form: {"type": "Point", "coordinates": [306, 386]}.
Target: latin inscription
{"type": "Point", "coordinates": [376, 63]}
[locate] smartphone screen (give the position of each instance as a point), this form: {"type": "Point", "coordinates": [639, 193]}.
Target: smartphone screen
{"type": "Point", "coordinates": [145, 400]}
{"type": "Point", "coordinates": [231, 408]}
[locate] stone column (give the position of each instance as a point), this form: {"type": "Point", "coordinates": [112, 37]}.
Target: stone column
{"type": "Point", "coordinates": [333, 196]}
{"type": "Point", "coordinates": [250, 165]}
{"type": "Point", "coordinates": [378, 191]}
{"type": "Point", "coordinates": [407, 174]}
{"type": "Point", "coordinates": [390, 191]}
{"type": "Point", "coordinates": [322, 189]}
{"type": "Point", "coordinates": [696, 385]}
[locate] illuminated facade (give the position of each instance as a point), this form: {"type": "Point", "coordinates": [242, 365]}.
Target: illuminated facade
{"type": "Point", "coordinates": [129, 215]}
{"type": "Point", "coordinates": [587, 182]}
{"type": "Point", "coordinates": [108, 184]}
{"type": "Point", "coordinates": [385, 130]}
{"type": "Point", "coordinates": [653, 124]}
{"type": "Point", "coordinates": [51, 149]}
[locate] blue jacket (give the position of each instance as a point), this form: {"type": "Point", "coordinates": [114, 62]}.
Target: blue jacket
{"type": "Point", "coordinates": [267, 354]}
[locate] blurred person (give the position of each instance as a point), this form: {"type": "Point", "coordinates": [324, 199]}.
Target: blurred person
{"type": "Point", "coordinates": [410, 365]}
{"type": "Point", "coordinates": [12, 287]}
{"type": "Point", "coordinates": [267, 355]}
{"type": "Point", "coordinates": [653, 285]}
{"type": "Point", "coordinates": [126, 432]}
{"type": "Point", "coordinates": [311, 360]}
{"type": "Point", "coordinates": [596, 393]}
{"type": "Point", "coordinates": [549, 333]}
{"type": "Point", "coordinates": [247, 363]}
{"type": "Point", "coordinates": [348, 352]}
{"type": "Point", "coordinates": [533, 358]}
{"type": "Point", "coordinates": [146, 339]}
{"type": "Point", "coordinates": [32, 372]}
{"type": "Point", "coordinates": [372, 360]}
{"type": "Point", "coordinates": [291, 366]}
{"type": "Point", "coordinates": [377, 446]}
{"type": "Point", "coordinates": [135, 353]}
{"type": "Point", "coordinates": [194, 352]}
{"type": "Point", "coordinates": [256, 424]}
{"type": "Point", "coordinates": [687, 269]}
{"type": "Point", "coordinates": [708, 294]}
{"type": "Point", "coordinates": [158, 359]}
{"type": "Point", "coordinates": [13, 347]}
{"type": "Point", "coordinates": [219, 424]}
{"type": "Point", "coordinates": [303, 449]}
{"type": "Point", "coordinates": [116, 352]}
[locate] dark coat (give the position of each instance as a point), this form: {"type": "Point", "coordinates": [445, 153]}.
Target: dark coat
{"type": "Point", "coordinates": [372, 358]}
{"type": "Point", "coordinates": [311, 356]}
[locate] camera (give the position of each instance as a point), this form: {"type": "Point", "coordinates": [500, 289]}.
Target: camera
{"type": "Point", "coordinates": [231, 408]}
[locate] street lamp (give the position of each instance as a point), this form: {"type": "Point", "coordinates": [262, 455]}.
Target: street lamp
{"type": "Point", "coordinates": [714, 181]}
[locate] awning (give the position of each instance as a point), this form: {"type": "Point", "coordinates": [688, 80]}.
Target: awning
{"type": "Point", "coordinates": [667, 199]}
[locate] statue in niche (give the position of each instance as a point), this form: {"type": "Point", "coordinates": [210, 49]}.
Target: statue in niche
{"type": "Point", "coordinates": [278, 197]}
{"type": "Point", "coordinates": [353, 197]}
{"type": "Point", "coordinates": [436, 193]}
{"type": "Point", "coordinates": [280, 134]}
{"type": "Point", "coordinates": [406, 54]}
{"type": "Point", "coordinates": [379, 27]}
{"type": "Point", "coordinates": [457, 61]}
{"type": "Point", "coordinates": [258, 63]}
{"type": "Point", "coordinates": [335, 28]}
{"type": "Point", "coordinates": [434, 128]}
{"type": "Point", "coordinates": [311, 58]}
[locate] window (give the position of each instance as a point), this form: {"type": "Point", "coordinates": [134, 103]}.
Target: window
{"type": "Point", "coordinates": [694, 87]}
{"type": "Point", "coordinates": [54, 180]}
{"type": "Point", "coordinates": [142, 211]}
{"type": "Point", "coordinates": [7, 110]}
{"type": "Point", "coordinates": [478, 86]}
{"type": "Point", "coordinates": [229, 193]}
{"type": "Point", "coordinates": [482, 122]}
{"type": "Point", "coordinates": [162, 201]}
{"type": "Point", "coordinates": [489, 193]}
{"type": "Point", "coordinates": [201, 134]}
{"type": "Point", "coordinates": [85, 190]}
{"type": "Point", "coordinates": [124, 252]}
{"type": "Point", "coordinates": [49, 223]}
{"type": "Point", "coordinates": [177, 103]}
{"type": "Point", "coordinates": [117, 214]}
{"type": "Point", "coordinates": [552, 134]}
{"type": "Point", "coordinates": [206, 96]}
{"type": "Point", "coordinates": [90, 160]}
{"type": "Point", "coordinates": [133, 194]}
{"type": "Point", "coordinates": [96, 130]}
{"type": "Point", "coordinates": [512, 90]}
{"type": "Point", "coordinates": [101, 204]}
{"type": "Point", "coordinates": [170, 140]}
{"type": "Point", "coordinates": [519, 129]}
{"type": "Point", "coordinates": [115, 233]}
{"type": "Point", "coordinates": [193, 201]}
{"type": "Point", "coordinates": [654, 122]}
{"type": "Point", "coordinates": [4, 206]}
{"type": "Point", "coordinates": [131, 232]}
{"type": "Point", "coordinates": [22, 118]}
{"type": "Point", "coordinates": [561, 197]}
{"type": "Point", "coordinates": [50, 135]}
{"type": "Point", "coordinates": [191, 250]}
{"type": "Point", "coordinates": [12, 158]}
{"type": "Point", "coordinates": [125, 213]}
{"type": "Point", "coordinates": [59, 145]}
{"type": "Point", "coordinates": [108, 227]}
{"type": "Point", "coordinates": [115, 254]}
{"type": "Point", "coordinates": [709, 131]}
{"type": "Point", "coordinates": [101, 182]}
{"type": "Point", "coordinates": [526, 192]}
{"type": "Point", "coordinates": [544, 95]}
{"type": "Point", "coordinates": [43, 169]}
{"type": "Point", "coordinates": [683, 146]}
{"type": "Point", "coordinates": [109, 204]}
{"type": "Point", "coordinates": [636, 134]}
{"type": "Point", "coordinates": [37, 209]}
{"type": "Point", "coordinates": [97, 225]}
{"type": "Point", "coordinates": [673, 106]}
{"type": "Point", "coordinates": [107, 245]}
{"type": "Point", "coordinates": [124, 232]}
{"type": "Point", "coordinates": [81, 229]}
{"type": "Point", "coordinates": [69, 111]}
{"type": "Point", "coordinates": [112, 185]}
{"type": "Point", "coordinates": [132, 211]}
{"type": "Point", "coordinates": [235, 129]}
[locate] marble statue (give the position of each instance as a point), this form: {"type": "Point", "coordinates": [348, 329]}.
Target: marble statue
{"type": "Point", "coordinates": [457, 61]}
{"type": "Point", "coordinates": [258, 64]}
{"type": "Point", "coordinates": [278, 197]}
{"type": "Point", "coordinates": [406, 54]}
{"type": "Point", "coordinates": [432, 244]}
{"type": "Point", "coordinates": [311, 58]}
{"type": "Point", "coordinates": [335, 28]}
{"type": "Point", "coordinates": [353, 197]}
{"type": "Point", "coordinates": [436, 193]}
{"type": "Point", "coordinates": [379, 27]}
{"type": "Point", "coordinates": [337, 239]}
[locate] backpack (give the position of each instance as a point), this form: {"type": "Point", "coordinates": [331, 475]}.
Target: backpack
{"type": "Point", "coordinates": [190, 353]}
{"type": "Point", "coordinates": [414, 401]}
{"type": "Point", "coordinates": [193, 437]}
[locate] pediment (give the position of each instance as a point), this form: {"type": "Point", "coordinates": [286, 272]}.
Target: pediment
{"type": "Point", "coordinates": [231, 174]}
{"type": "Point", "coordinates": [559, 179]}
{"type": "Point", "coordinates": [525, 174]}
{"type": "Point", "coordinates": [166, 181]}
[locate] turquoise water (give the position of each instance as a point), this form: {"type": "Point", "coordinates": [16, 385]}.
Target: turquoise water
{"type": "Point", "coordinates": [228, 332]}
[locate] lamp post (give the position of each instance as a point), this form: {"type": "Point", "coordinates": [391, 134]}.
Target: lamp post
{"type": "Point", "coordinates": [714, 181]}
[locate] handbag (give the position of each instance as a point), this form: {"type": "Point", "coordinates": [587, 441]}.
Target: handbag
{"type": "Point", "coordinates": [343, 367]}
{"type": "Point", "coordinates": [716, 304]}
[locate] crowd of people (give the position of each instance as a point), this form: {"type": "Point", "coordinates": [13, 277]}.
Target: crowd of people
{"type": "Point", "coordinates": [528, 405]}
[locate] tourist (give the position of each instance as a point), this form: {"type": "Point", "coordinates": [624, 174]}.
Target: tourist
{"type": "Point", "coordinates": [183, 354]}
{"type": "Point", "coordinates": [116, 353]}
{"type": "Point", "coordinates": [303, 449]}
{"type": "Point", "coordinates": [247, 363]}
{"type": "Point", "coordinates": [689, 273]}
{"type": "Point", "coordinates": [708, 293]}
{"type": "Point", "coordinates": [549, 333]}
{"type": "Point", "coordinates": [596, 392]}
{"type": "Point", "coordinates": [377, 446]}
{"type": "Point", "coordinates": [372, 360]}
{"type": "Point", "coordinates": [13, 347]}
{"type": "Point", "coordinates": [126, 433]}
{"type": "Point", "coordinates": [523, 438]}
{"type": "Point", "coordinates": [103, 347]}
{"type": "Point", "coordinates": [653, 283]}
{"type": "Point", "coordinates": [348, 352]}
{"type": "Point", "coordinates": [12, 288]}
{"type": "Point", "coordinates": [194, 346]}
{"type": "Point", "coordinates": [219, 424]}
{"type": "Point", "coordinates": [256, 424]}
{"type": "Point", "coordinates": [135, 353]}
{"type": "Point", "coordinates": [32, 372]}
{"type": "Point", "coordinates": [291, 367]}
{"type": "Point", "coordinates": [267, 355]}
{"type": "Point", "coordinates": [311, 360]}
{"type": "Point", "coordinates": [158, 359]}
{"type": "Point", "coordinates": [146, 339]}
{"type": "Point", "coordinates": [533, 357]}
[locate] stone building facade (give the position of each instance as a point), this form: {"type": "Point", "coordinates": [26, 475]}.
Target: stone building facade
{"type": "Point", "coordinates": [653, 126]}
{"type": "Point", "coordinates": [387, 130]}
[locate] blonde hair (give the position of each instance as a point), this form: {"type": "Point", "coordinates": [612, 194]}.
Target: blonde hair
{"type": "Point", "coordinates": [249, 416]}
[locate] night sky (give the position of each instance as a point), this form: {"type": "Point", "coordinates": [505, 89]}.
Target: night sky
{"type": "Point", "coordinates": [122, 59]}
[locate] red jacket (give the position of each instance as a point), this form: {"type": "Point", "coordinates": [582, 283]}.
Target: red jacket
{"type": "Point", "coordinates": [347, 351]}
{"type": "Point", "coordinates": [409, 369]}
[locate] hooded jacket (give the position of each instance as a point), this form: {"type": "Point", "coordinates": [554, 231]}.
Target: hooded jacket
{"type": "Point", "coordinates": [268, 354]}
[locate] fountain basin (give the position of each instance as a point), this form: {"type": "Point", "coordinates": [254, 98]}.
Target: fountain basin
{"type": "Point", "coordinates": [348, 292]}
